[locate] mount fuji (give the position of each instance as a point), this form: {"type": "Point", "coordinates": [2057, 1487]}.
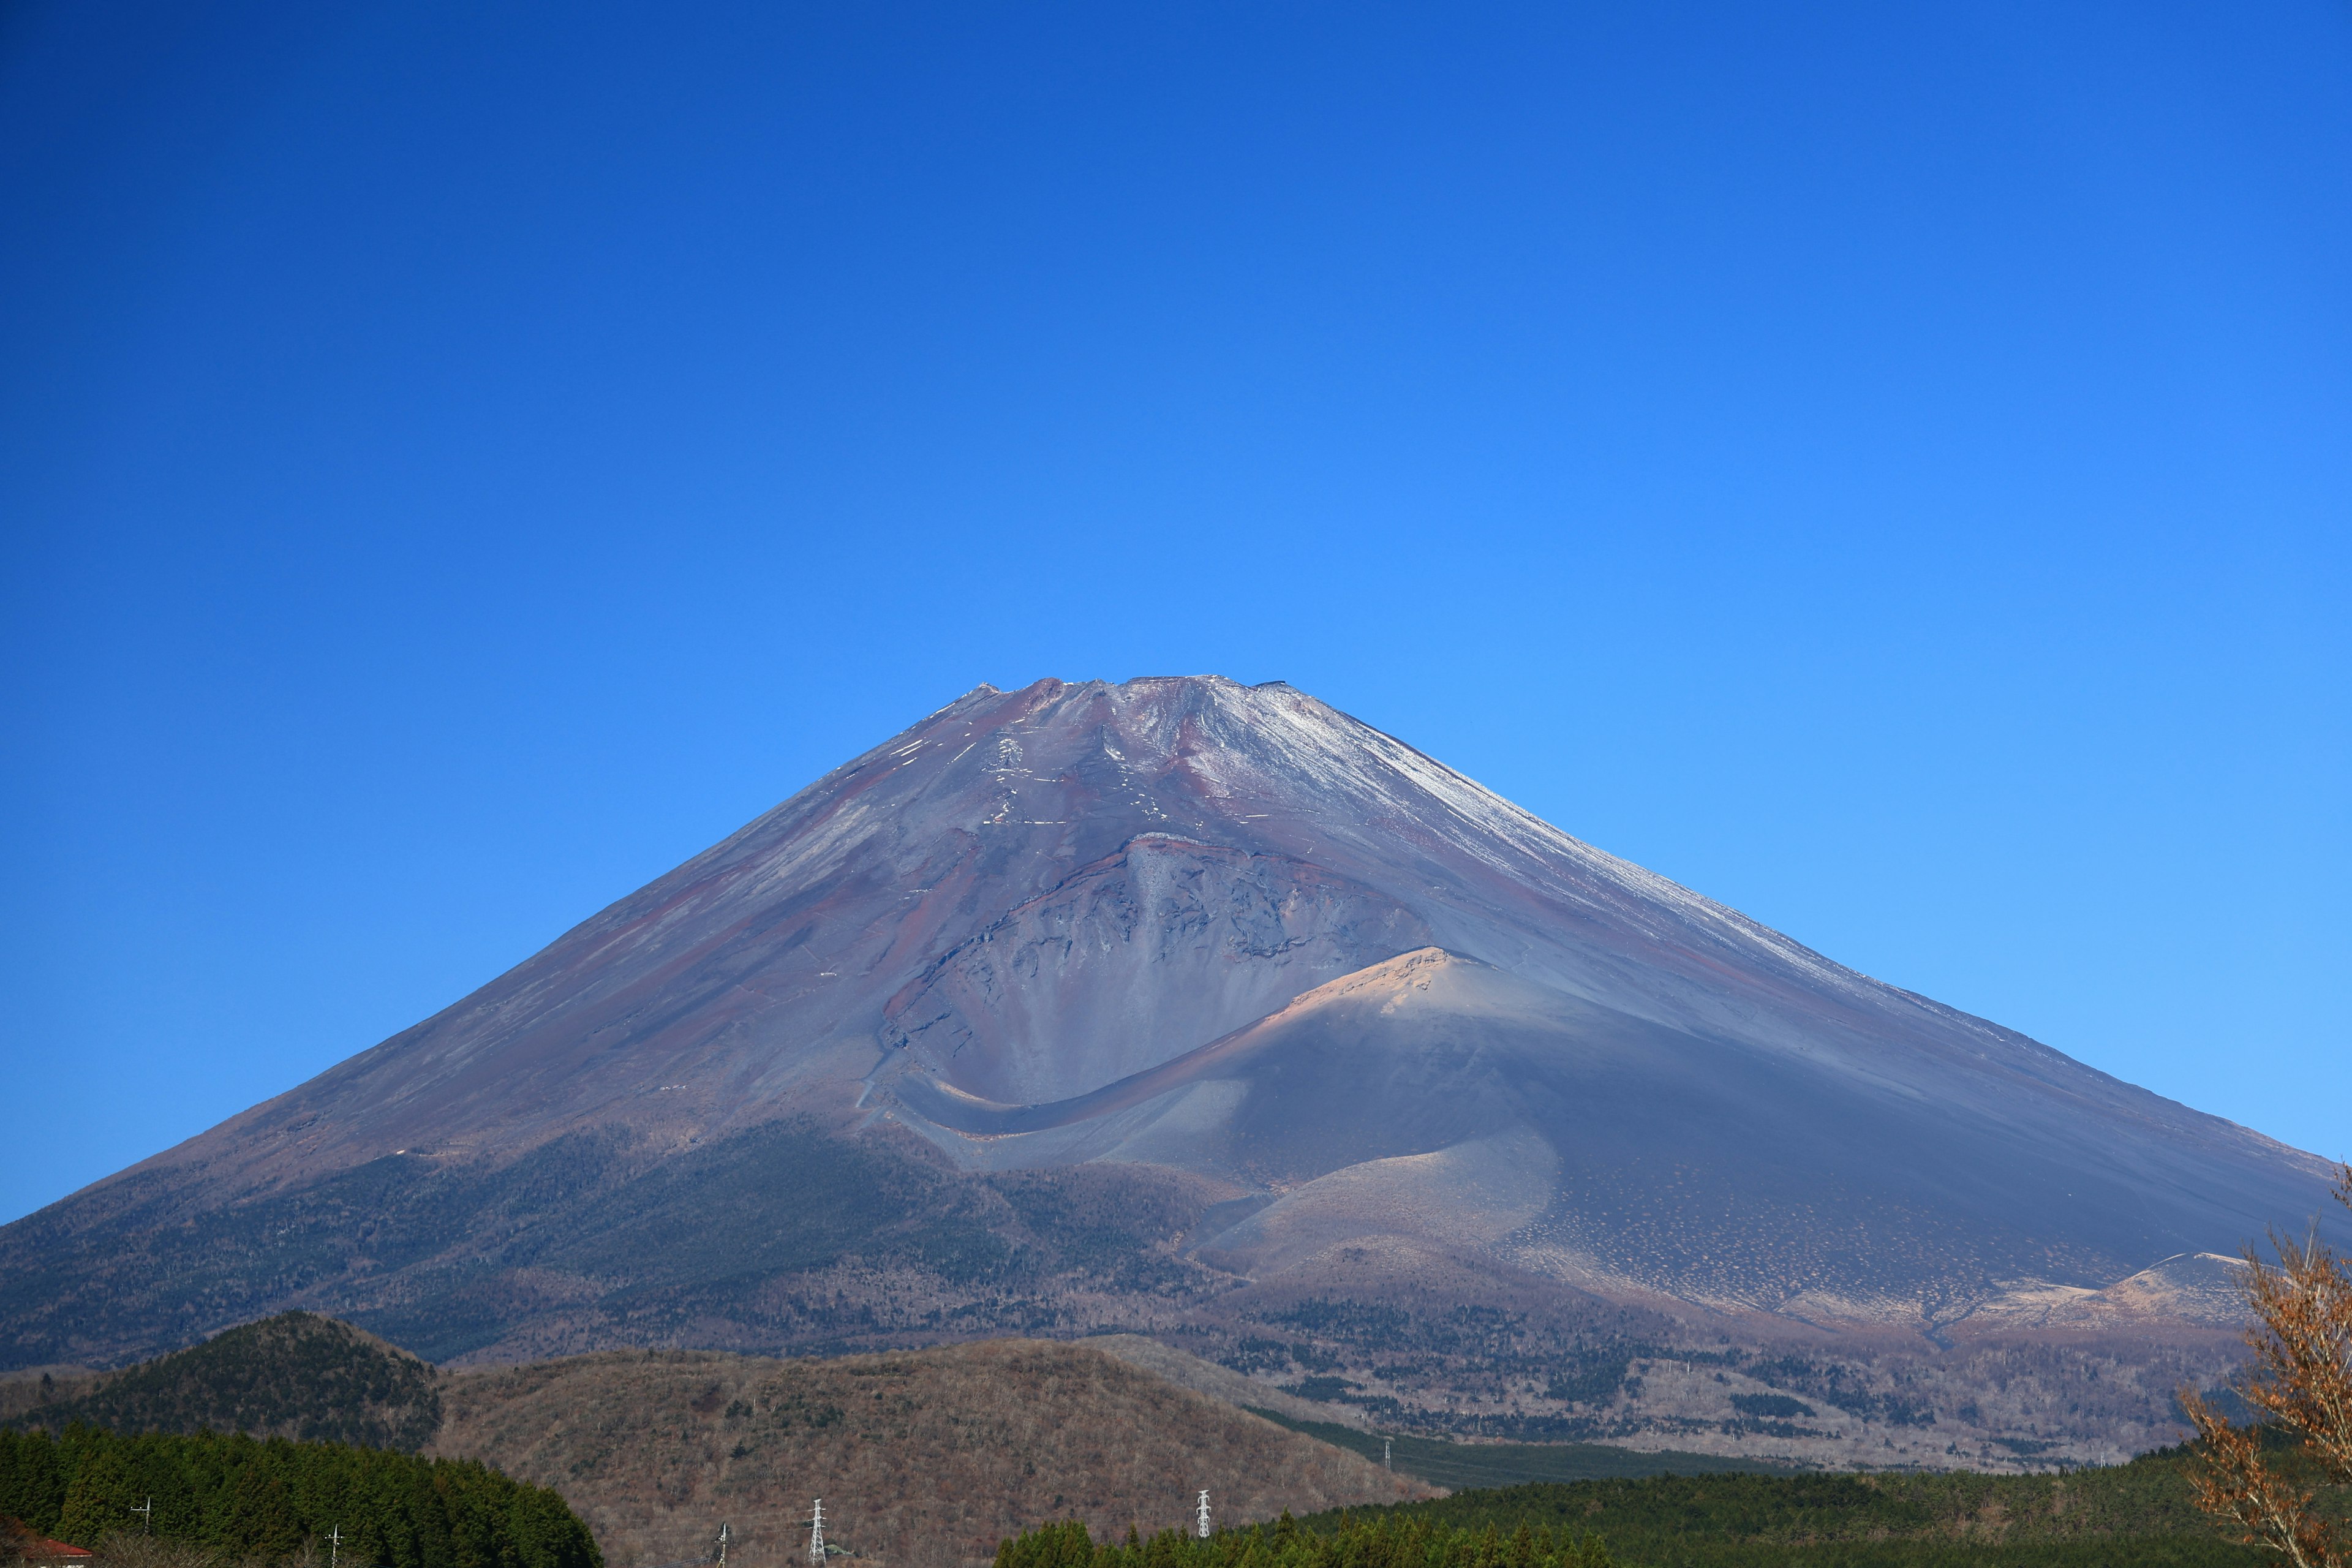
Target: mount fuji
{"type": "Point", "coordinates": [1094, 1005]}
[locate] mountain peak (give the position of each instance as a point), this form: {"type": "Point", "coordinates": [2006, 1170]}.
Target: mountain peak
{"type": "Point", "coordinates": [1233, 935]}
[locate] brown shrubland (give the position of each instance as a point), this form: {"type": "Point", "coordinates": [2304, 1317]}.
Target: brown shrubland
{"type": "Point", "coordinates": [924, 1459]}
{"type": "Point", "coordinates": [146, 1551]}
{"type": "Point", "coordinates": [2301, 1383]}
{"type": "Point", "coordinates": [155, 1552]}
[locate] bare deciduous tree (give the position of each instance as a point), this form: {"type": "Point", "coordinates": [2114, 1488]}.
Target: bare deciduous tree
{"type": "Point", "coordinates": [2301, 1385]}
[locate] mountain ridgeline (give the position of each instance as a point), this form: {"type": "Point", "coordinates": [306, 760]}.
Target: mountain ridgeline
{"type": "Point", "coordinates": [1190, 1008]}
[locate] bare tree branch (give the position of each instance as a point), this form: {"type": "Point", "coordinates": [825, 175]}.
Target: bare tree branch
{"type": "Point", "coordinates": [2301, 1381]}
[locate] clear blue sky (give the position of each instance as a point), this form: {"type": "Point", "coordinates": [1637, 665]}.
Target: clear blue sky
{"type": "Point", "coordinates": [1889, 467]}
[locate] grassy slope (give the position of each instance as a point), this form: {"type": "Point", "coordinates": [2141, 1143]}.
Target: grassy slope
{"type": "Point", "coordinates": [925, 1459]}
{"type": "Point", "coordinates": [1461, 1466]}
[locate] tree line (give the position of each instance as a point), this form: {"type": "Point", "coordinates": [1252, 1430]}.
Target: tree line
{"type": "Point", "coordinates": [245, 1498]}
{"type": "Point", "coordinates": [1383, 1541]}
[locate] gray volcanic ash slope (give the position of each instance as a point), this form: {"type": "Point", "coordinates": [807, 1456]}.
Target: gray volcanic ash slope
{"type": "Point", "coordinates": [1090, 1005]}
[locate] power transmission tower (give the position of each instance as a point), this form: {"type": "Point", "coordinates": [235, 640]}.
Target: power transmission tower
{"type": "Point", "coordinates": [1203, 1524]}
{"type": "Point", "coordinates": [334, 1545]}
{"type": "Point", "coordinates": [146, 1512]}
{"type": "Point", "coordinates": [816, 1534]}
{"type": "Point", "coordinates": [722, 1545]}
{"type": "Point", "coordinates": [1388, 1453]}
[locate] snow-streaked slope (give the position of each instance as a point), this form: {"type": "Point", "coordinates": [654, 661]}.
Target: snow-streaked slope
{"type": "Point", "coordinates": [1036, 896]}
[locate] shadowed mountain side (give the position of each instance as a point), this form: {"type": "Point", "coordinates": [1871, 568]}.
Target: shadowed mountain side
{"type": "Point", "coordinates": [1437, 1097]}
{"type": "Point", "coordinates": [779, 1235]}
{"type": "Point", "coordinates": [923, 1458]}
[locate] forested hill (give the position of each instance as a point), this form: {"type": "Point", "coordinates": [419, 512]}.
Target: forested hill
{"type": "Point", "coordinates": [294, 1375]}
{"type": "Point", "coordinates": [1373, 1540]}
{"type": "Point", "coordinates": [2140, 1513]}
{"type": "Point", "coordinates": [243, 1501]}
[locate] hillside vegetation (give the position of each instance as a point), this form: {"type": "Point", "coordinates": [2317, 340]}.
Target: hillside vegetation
{"type": "Point", "coordinates": [1394, 1543]}
{"type": "Point", "coordinates": [2138, 1515]}
{"type": "Point", "coordinates": [2135, 1514]}
{"type": "Point", "coordinates": [1459, 1466]}
{"type": "Point", "coordinates": [923, 1459]}
{"type": "Point", "coordinates": [928, 1458]}
{"type": "Point", "coordinates": [244, 1498]}
{"type": "Point", "coordinates": [294, 1375]}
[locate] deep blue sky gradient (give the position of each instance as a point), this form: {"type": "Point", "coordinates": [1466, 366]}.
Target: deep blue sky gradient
{"type": "Point", "coordinates": [1889, 469]}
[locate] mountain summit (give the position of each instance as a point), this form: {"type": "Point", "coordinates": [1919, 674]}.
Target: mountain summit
{"type": "Point", "coordinates": [1148, 991]}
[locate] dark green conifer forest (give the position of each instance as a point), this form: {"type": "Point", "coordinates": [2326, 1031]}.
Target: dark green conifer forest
{"type": "Point", "coordinates": [244, 1497]}
{"type": "Point", "coordinates": [1386, 1541]}
{"type": "Point", "coordinates": [295, 1376]}
{"type": "Point", "coordinates": [2138, 1515]}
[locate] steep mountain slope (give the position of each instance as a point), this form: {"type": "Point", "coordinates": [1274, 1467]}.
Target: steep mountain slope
{"type": "Point", "coordinates": [1086, 1005]}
